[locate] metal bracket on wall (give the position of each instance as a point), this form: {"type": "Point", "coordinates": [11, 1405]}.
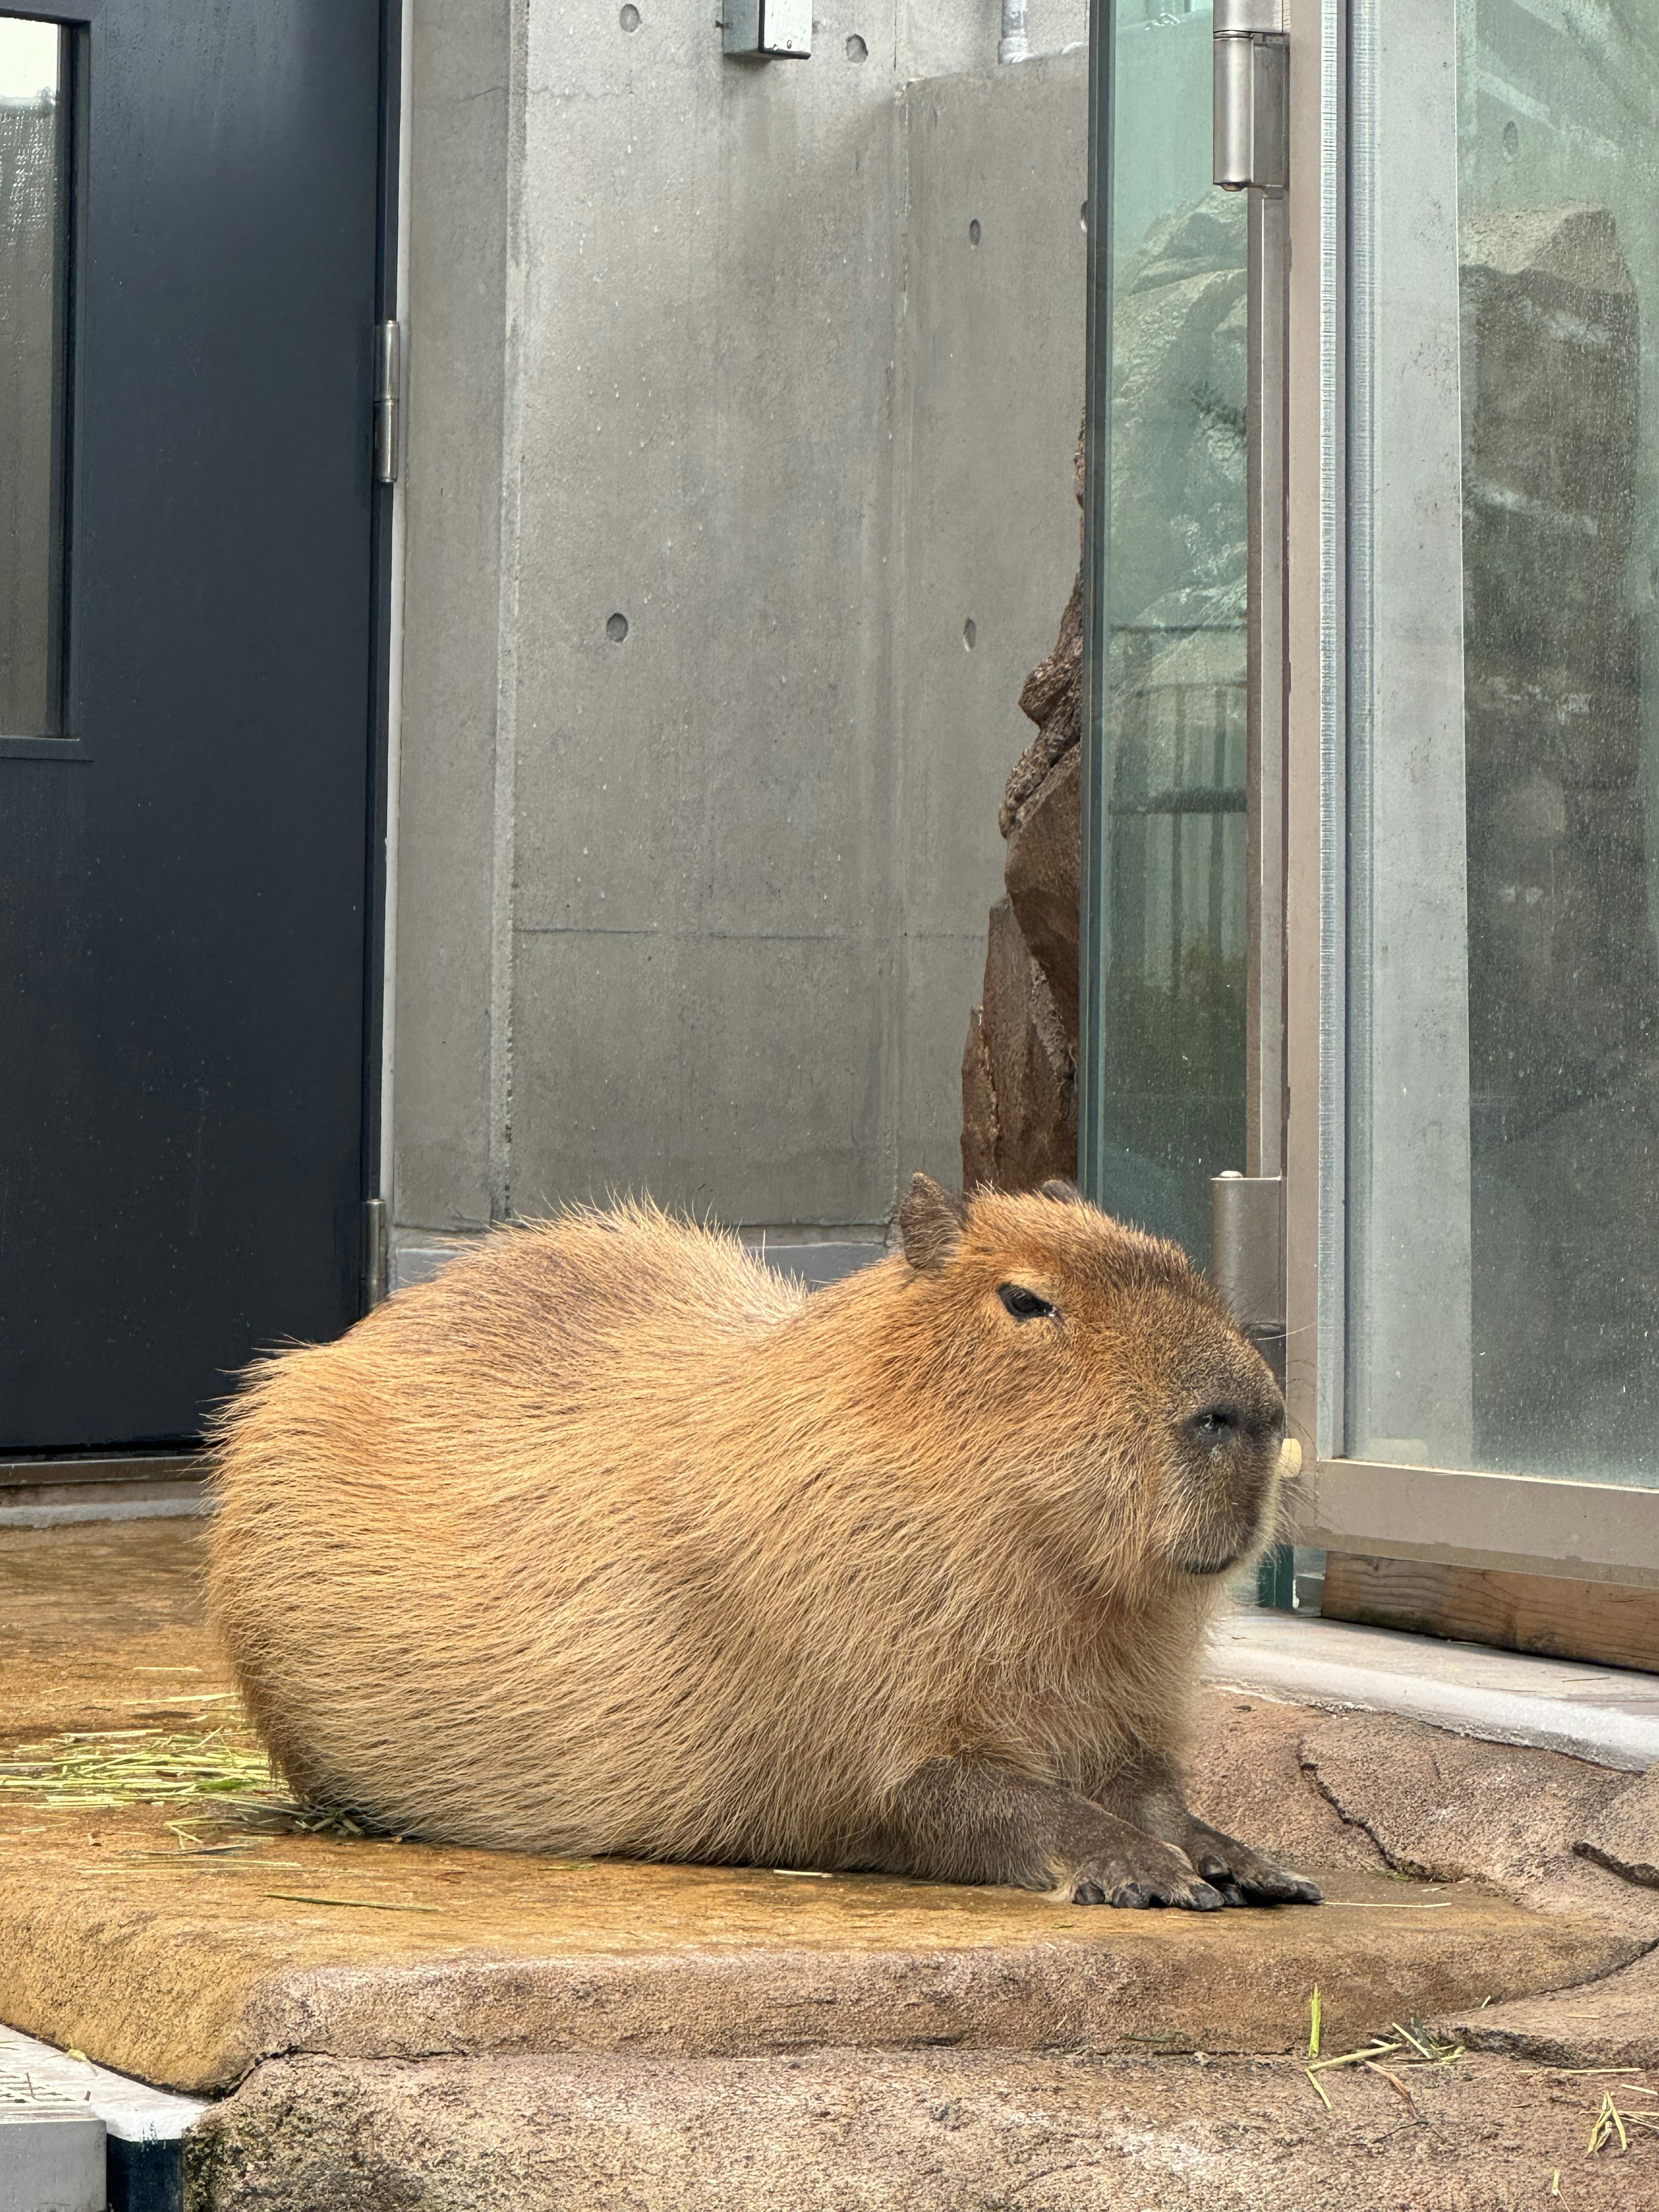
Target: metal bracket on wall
{"type": "Point", "coordinates": [388, 394]}
{"type": "Point", "coordinates": [768, 30]}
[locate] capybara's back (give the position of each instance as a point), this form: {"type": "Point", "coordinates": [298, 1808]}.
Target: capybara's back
{"type": "Point", "coordinates": [452, 1556]}
{"type": "Point", "coordinates": [611, 1540]}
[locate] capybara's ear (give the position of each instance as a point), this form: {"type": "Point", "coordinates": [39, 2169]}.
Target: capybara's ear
{"type": "Point", "coordinates": [930, 1221]}
{"type": "Point", "coordinates": [1062, 1190]}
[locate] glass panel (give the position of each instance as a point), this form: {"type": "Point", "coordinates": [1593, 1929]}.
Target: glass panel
{"type": "Point", "coordinates": [1505, 1046]}
{"type": "Point", "coordinates": [1172, 1087]}
{"type": "Point", "coordinates": [34, 209]}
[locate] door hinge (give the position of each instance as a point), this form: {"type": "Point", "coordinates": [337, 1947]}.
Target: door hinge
{"type": "Point", "coordinates": [388, 392]}
{"type": "Point", "coordinates": [1252, 95]}
{"type": "Point", "coordinates": [1247, 1256]}
{"type": "Point", "coordinates": [376, 1254]}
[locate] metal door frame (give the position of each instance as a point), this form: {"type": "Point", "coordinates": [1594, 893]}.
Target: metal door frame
{"type": "Point", "coordinates": [1584, 1531]}
{"type": "Point", "coordinates": [1282, 1255]}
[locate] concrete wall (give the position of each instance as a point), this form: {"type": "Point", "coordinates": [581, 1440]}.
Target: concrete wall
{"type": "Point", "coordinates": [708, 347]}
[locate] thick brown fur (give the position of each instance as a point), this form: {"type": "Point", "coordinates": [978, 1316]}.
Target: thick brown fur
{"type": "Point", "coordinates": [611, 1540]}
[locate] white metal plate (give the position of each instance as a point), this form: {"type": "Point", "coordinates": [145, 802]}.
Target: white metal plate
{"type": "Point", "coordinates": [786, 27]}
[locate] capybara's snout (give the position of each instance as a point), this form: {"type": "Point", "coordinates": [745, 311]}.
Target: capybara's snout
{"type": "Point", "coordinates": [1230, 1436]}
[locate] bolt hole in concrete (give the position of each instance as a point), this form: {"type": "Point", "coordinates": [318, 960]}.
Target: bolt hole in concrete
{"type": "Point", "coordinates": [973, 232]}
{"type": "Point", "coordinates": [856, 49]}
{"type": "Point", "coordinates": [1511, 140]}
{"type": "Point", "coordinates": [630, 17]}
{"type": "Point", "coordinates": [970, 633]}
{"type": "Point", "coordinates": [1082, 216]}
{"type": "Point", "coordinates": [616, 629]}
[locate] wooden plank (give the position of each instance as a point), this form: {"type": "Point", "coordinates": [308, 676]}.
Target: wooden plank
{"type": "Point", "coordinates": [1602, 1622]}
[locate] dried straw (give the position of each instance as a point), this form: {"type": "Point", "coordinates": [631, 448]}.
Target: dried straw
{"type": "Point", "coordinates": [223, 1769]}
{"type": "Point", "coordinates": [103, 1769]}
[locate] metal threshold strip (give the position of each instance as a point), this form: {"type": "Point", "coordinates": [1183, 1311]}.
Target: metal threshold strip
{"type": "Point", "coordinates": [51, 1493]}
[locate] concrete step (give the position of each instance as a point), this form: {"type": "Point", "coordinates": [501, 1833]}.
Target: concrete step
{"type": "Point", "coordinates": [1609, 1714]}
{"type": "Point", "coordinates": [73, 2134]}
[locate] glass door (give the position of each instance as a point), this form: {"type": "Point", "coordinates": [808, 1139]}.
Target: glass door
{"type": "Point", "coordinates": [1487, 1307]}
{"type": "Point", "coordinates": [1166, 897]}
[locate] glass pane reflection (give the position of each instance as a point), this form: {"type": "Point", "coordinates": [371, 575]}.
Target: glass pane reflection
{"type": "Point", "coordinates": [1504, 1089]}
{"type": "Point", "coordinates": [32, 223]}
{"type": "Point", "coordinates": [1173, 1017]}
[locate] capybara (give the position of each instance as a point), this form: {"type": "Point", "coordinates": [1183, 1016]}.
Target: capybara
{"type": "Point", "coordinates": [612, 1540]}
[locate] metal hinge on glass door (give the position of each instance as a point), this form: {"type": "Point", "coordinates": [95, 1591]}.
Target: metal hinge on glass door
{"type": "Point", "coordinates": [1252, 95]}
{"type": "Point", "coordinates": [388, 390]}
{"type": "Point", "coordinates": [1252, 155]}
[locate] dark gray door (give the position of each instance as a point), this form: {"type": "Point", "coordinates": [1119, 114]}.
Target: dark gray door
{"type": "Point", "coordinates": [187, 683]}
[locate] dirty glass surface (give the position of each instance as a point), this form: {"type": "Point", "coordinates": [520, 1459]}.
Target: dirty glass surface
{"type": "Point", "coordinates": [1172, 1088]}
{"type": "Point", "coordinates": [1504, 1081]}
{"type": "Point", "coordinates": [33, 222]}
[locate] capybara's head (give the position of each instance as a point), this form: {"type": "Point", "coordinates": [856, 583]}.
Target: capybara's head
{"type": "Point", "coordinates": [1097, 1371]}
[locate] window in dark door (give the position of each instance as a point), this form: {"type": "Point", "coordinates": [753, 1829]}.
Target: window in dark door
{"type": "Point", "coordinates": [190, 270]}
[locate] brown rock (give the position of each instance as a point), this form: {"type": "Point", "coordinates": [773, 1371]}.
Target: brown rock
{"type": "Point", "coordinates": [1246, 1777]}
{"type": "Point", "coordinates": [942, 2131]}
{"type": "Point", "coordinates": [1053, 685]}
{"type": "Point", "coordinates": [1042, 872]}
{"type": "Point", "coordinates": [191, 1970]}
{"type": "Point", "coordinates": [1018, 1046]}
{"type": "Point", "coordinates": [1178, 556]}
{"type": "Point", "coordinates": [1623, 1836]}
{"type": "Point", "coordinates": [1052, 697]}
{"type": "Point", "coordinates": [1447, 1807]}
{"type": "Point", "coordinates": [1018, 1066]}
{"type": "Point", "coordinates": [979, 1108]}
{"type": "Point", "coordinates": [188, 1972]}
{"type": "Point", "coordinates": [1613, 2022]}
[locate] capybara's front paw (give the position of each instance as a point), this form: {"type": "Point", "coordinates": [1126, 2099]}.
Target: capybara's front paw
{"type": "Point", "coordinates": [1139, 1871]}
{"type": "Point", "coordinates": [1243, 1876]}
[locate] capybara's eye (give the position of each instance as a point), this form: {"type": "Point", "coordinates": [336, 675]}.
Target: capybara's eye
{"type": "Point", "coordinates": [1214, 1423]}
{"type": "Point", "coordinates": [1024, 1305]}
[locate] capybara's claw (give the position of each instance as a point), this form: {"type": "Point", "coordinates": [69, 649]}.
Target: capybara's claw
{"type": "Point", "coordinates": [1244, 1877]}
{"type": "Point", "coordinates": [1273, 1885]}
{"type": "Point", "coordinates": [1299, 1889]}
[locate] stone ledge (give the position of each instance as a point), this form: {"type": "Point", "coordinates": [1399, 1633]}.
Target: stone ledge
{"type": "Point", "coordinates": [1613, 2022]}
{"type": "Point", "coordinates": [188, 1972]}
{"type": "Point", "coordinates": [928, 2132]}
